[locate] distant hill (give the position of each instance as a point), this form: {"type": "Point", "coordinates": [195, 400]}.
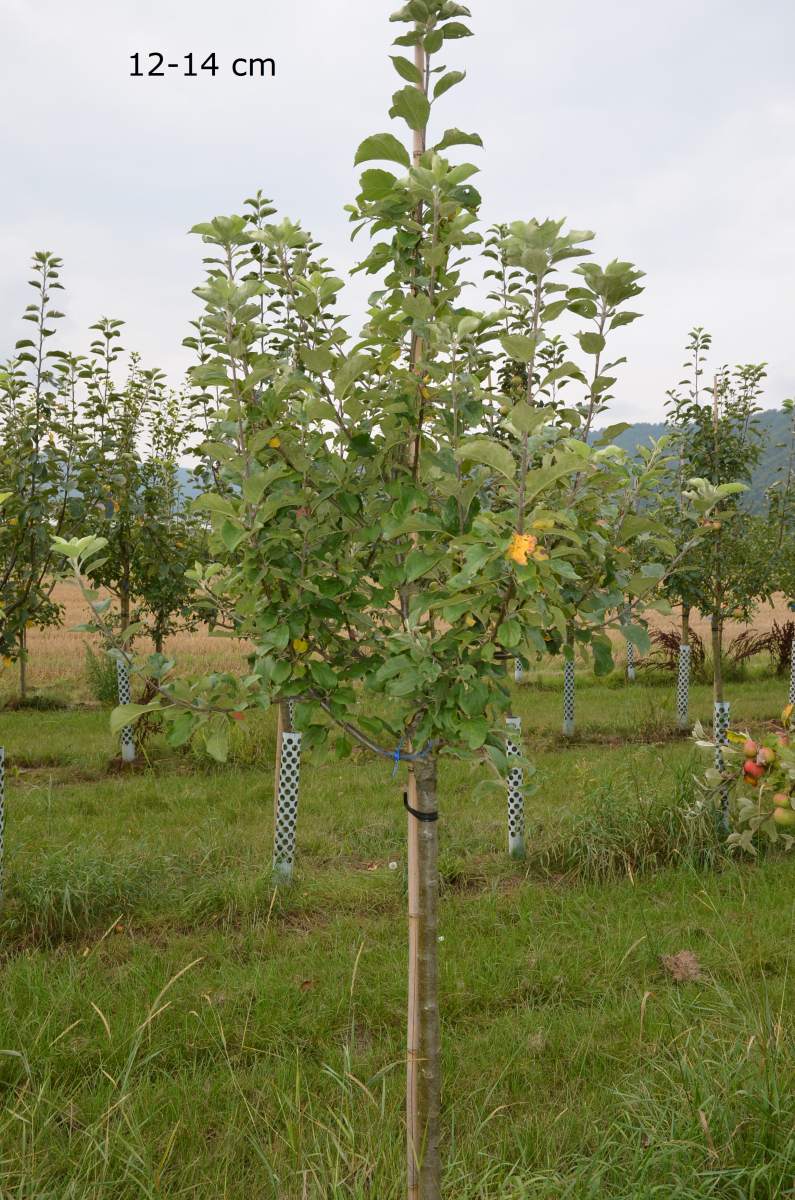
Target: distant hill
{"type": "Point", "coordinates": [774, 425]}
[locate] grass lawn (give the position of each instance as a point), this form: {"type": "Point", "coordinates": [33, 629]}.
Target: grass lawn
{"type": "Point", "coordinates": [171, 1025]}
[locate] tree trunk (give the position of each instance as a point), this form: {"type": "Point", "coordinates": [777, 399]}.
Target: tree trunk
{"type": "Point", "coordinates": [423, 1066]}
{"type": "Point", "coordinates": [717, 658]}
{"type": "Point", "coordinates": [685, 624]}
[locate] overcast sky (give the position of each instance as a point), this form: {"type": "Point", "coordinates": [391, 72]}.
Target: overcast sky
{"type": "Point", "coordinates": [669, 128]}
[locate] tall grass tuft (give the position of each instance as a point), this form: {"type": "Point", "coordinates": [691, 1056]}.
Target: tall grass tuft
{"type": "Point", "coordinates": [101, 678]}
{"type": "Point", "coordinates": [620, 832]}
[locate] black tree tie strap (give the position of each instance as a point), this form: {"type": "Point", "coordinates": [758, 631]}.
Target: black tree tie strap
{"type": "Point", "coordinates": [418, 816]}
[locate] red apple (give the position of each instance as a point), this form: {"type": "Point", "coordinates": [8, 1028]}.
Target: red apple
{"type": "Point", "coordinates": [766, 755]}
{"type": "Point", "coordinates": [750, 748]}
{"type": "Point", "coordinates": [752, 769]}
{"type": "Point", "coordinates": [781, 799]}
{"type": "Point", "coordinates": [784, 816]}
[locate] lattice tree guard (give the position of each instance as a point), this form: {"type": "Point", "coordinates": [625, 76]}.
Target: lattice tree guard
{"type": "Point", "coordinates": [518, 670]}
{"type": "Point", "coordinates": [2, 816]}
{"type": "Point", "coordinates": [515, 789]}
{"type": "Point", "coordinates": [720, 728]}
{"type": "Point", "coordinates": [683, 688]}
{"type": "Point", "coordinates": [568, 698]}
{"type": "Point", "coordinates": [792, 673]}
{"type": "Point", "coordinates": [630, 662]}
{"type": "Point", "coordinates": [127, 741]}
{"type": "Point", "coordinates": [288, 771]}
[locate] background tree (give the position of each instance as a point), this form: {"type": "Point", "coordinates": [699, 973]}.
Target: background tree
{"type": "Point", "coordinates": [781, 511]}
{"type": "Point", "coordinates": [717, 439]}
{"type": "Point", "coordinates": [37, 463]}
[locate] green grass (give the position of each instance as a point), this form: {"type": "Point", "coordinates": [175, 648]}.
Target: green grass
{"type": "Point", "coordinates": [172, 1026]}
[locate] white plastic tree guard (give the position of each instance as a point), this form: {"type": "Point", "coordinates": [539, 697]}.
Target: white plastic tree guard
{"type": "Point", "coordinates": [515, 782]}
{"type": "Point", "coordinates": [630, 662]}
{"type": "Point", "coordinates": [791, 699]}
{"type": "Point", "coordinates": [720, 729]}
{"type": "Point", "coordinates": [127, 740]}
{"type": "Point", "coordinates": [2, 817]}
{"type": "Point", "coordinates": [683, 688]}
{"type": "Point", "coordinates": [518, 670]}
{"type": "Point", "coordinates": [288, 774]}
{"type": "Point", "coordinates": [568, 697]}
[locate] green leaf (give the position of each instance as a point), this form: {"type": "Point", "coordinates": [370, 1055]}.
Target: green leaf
{"type": "Point", "coordinates": [406, 69]}
{"type": "Point", "coordinates": [217, 743]}
{"type": "Point", "coordinates": [455, 29]}
{"type": "Point", "coordinates": [210, 502]}
{"type": "Point", "coordinates": [603, 656]}
{"type": "Point", "coordinates": [351, 369]}
{"type": "Point", "coordinates": [525, 418]}
{"type": "Point", "coordinates": [418, 563]}
{"type": "Point", "coordinates": [454, 137]}
{"type": "Point", "coordinates": [638, 636]}
{"type": "Point", "coordinates": [519, 347]}
{"type": "Point", "coordinates": [509, 633]}
{"type": "Point", "coordinates": [475, 731]}
{"type": "Point", "coordinates": [638, 585]}
{"type": "Point", "coordinates": [319, 360]}
{"type": "Point", "coordinates": [490, 454]}
{"type": "Point", "coordinates": [376, 184]}
{"type": "Point", "coordinates": [412, 105]}
{"type": "Point", "coordinates": [591, 343]}
{"type": "Point", "coordinates": [232, 535]}
{"type": "Point", "coordinates": [447, 81]}
{"type": "Point", "coordinates": [384, 147]}
{"type": "Point", "coordinates": [128, 714]}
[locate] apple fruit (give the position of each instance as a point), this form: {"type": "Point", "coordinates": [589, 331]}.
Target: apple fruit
{"type": "Point", "coordinates": [784, 816]}
{"type": "Point", "coordinates": [750, 748]}
{"type": "Point", "coordinates": [753, 770]}
{"type": "Point", "coordinates": [766, 755]}
{"type": "Point", "coordinates": [781, 799]}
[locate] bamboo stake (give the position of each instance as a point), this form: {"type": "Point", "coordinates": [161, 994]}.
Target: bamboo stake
{"type": "Point", "coordinates": [423, 1080]}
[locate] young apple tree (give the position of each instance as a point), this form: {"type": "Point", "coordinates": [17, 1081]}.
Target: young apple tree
{"type": "Point", "coordinates": [37, 466]}
{"type": "Point", "coordinates": [717, 438]}
{"type": "Point", "coordinates": [355, 547]}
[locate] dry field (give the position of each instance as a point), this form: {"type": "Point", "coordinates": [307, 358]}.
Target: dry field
{"type": "Point", "coordinates": [57, 655]}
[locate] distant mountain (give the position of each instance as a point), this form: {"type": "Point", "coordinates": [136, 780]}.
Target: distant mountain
{"type": "Point", "coordinates": [774, 425]}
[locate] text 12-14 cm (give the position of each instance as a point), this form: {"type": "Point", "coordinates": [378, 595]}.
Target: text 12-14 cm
{"type": "Point", "coordinates": [154, 66]}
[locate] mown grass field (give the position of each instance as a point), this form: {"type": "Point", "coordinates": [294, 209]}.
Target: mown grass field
{"type": "Point", "coordinates": [171, 1025]}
